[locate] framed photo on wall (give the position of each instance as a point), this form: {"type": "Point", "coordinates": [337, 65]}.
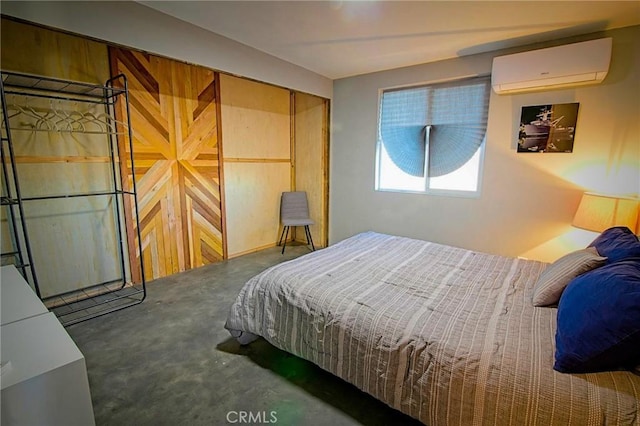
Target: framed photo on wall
{"type": "Point", "coordinates": [548, 128]}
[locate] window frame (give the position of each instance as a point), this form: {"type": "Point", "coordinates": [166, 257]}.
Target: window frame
{"type": "Point", "coordinates": [428, 190]}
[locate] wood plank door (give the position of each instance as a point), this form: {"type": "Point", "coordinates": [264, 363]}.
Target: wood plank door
{"type": "Point", "coordinates": [311, 147]}
{"type": "Point", "coordinates": [176, 155]}
{"type": "Point", "coordinates": [73, 240]}
{"type": "Point", "coordinates": [256, 131]}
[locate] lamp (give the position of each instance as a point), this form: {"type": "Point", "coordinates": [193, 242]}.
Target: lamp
{"type": "Point", "coordinates": [598, 212]}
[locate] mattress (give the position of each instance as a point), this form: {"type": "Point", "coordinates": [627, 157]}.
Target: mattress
{"type": "Point", "coordinates": [446, 335]}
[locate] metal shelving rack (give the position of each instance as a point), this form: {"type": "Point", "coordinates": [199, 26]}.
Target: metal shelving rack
{"type": "Point", "coordinates": [11, 202]}
{"type": "Point", "coordinates": [97, 299]}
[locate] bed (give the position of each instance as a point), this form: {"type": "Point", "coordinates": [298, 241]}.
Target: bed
{"type": "Point", "coordinates": [446, 335]}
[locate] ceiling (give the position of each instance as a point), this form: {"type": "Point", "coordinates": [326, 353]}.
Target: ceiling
{"type": "Point", "coordinates": [339, 39]}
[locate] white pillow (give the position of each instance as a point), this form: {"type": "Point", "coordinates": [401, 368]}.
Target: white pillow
{"type": "Point", "coordinates": [556, 277]}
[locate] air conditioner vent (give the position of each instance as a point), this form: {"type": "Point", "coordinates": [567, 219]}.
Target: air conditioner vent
{"type": "Point", "coordinates": [555, 67]}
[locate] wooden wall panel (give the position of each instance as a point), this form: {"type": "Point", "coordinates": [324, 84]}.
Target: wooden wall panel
{"type": "Point", "coordinates": [252, 196]}
{"type": "Point", "coordinates": [73, 240]}
{"type": "Point", "coordinates": [74, 244]}
{"type": "Point", "coordinates": [256, 132]}
{"type": "Point", "coordinates": [35, 50]}
{"type": "Point", "coordinates": [176, 157]}
{"type": "Point", "coordinates": [312, 161]}
{"type": "Point", "coordinates": [256, 119]}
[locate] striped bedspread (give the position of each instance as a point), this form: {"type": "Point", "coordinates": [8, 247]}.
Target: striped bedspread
{"type": "Point", "coordinates": [446, 335]}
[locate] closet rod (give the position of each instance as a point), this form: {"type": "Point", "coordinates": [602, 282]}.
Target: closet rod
{"type": "Point", "coordinates": [78, 98]}
{"type": "Point", "coordinates": [84, 132]}
{"type": "Point", "coordinates": [88, 194]}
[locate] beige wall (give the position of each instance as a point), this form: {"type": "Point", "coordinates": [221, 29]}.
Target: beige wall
{"type": "Point", "coordinates": [527, 201]}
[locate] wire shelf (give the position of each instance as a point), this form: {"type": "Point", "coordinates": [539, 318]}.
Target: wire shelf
{"type": "Point", "coordinates": [55, 88]}
{"type": "Point", "coordinates": [92, 300]}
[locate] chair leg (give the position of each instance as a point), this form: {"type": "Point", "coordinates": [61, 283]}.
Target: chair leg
{"type": "Point", "coordinates": [309, 239]}
{"type": "Point", "coordinates": [285, 240]}
{"type": "Point", "coordinates": [281, 235]}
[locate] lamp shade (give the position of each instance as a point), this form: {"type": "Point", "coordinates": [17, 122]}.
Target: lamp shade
{"type": "Point", "coordinates": [598, 212]}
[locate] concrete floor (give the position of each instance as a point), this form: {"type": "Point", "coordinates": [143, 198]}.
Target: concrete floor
{"type": "Point", "coordinates": [169, 361]}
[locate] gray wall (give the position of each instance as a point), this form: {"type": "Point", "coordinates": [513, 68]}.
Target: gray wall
{"type": "Point", "coordinates": [527, 200]}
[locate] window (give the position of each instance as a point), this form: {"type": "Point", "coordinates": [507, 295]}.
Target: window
{"type": "Point", "coordinates": [431, 138]}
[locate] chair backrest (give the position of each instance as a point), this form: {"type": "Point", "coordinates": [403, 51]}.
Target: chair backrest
{"type": "Point", "coordinates": [293, 205]}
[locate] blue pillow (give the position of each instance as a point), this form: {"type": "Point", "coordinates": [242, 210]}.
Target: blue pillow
{"type": "Point", "coordinates": [617, 243]}
{"type": "Point", "coordinates": [599, 320]}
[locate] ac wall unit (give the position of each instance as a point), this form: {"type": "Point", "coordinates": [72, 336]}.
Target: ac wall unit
{"type": "Point", "coordinates": [555, 67]}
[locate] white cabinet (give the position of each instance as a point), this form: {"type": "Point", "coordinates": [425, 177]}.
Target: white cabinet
{"type": "Point", "coordinates": [44, 376]}
{"type": "Point", "coordinates": [17, 299]}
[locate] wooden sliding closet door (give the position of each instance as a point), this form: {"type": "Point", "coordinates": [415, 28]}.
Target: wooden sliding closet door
{"type": "Point", "coordinates": [311, 119]}
{"type": "Point", "coordinates": [176, 157]}
{"type": "Point", "coordinates": [72, 239]}
{"type": "Point", "coordinates": [256, 132]}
